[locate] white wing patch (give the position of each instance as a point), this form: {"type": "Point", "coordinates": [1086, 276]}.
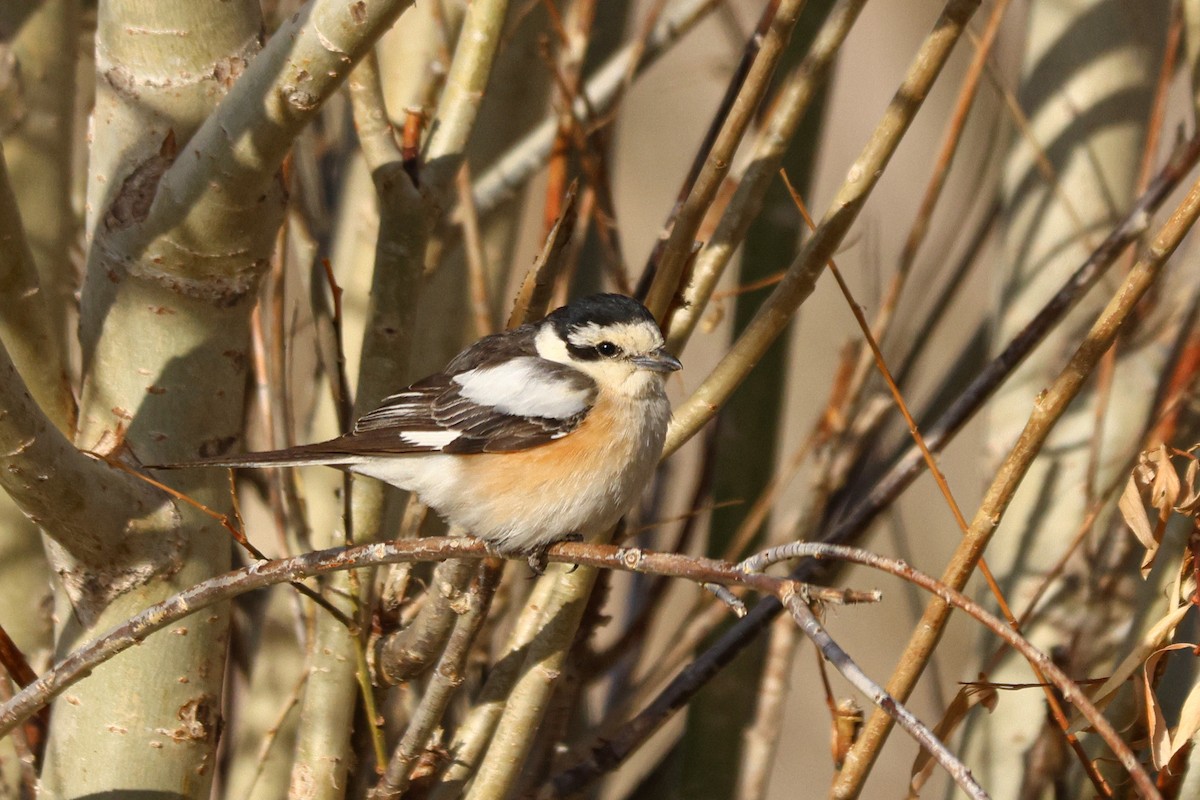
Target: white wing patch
{"type": "Point", "coordinates": [520, 388]}
{"type": "Point", "coordinates": [434, 439]}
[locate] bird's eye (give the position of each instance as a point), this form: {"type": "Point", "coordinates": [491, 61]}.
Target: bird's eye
{"type": "Point", "coordinates": [607, 349]}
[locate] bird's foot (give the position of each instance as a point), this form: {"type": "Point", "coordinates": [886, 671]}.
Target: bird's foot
{"type": "Point", "coordinates": [538, 560]}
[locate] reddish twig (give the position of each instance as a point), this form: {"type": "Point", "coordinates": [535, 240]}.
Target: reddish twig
{"type": "Point", "coordinates": [224, 587]}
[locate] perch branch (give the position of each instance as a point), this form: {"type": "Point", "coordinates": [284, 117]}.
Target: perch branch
{"type": "Point", "coordinates": [224, 587]}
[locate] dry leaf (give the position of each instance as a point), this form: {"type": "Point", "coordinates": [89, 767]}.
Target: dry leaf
{"type": "Point", "coordinates": [1165, 490]}
{"type": "Point", "coordinates": [1189, 721]}
{"type": "Point", "coordinates": [1134, 513]}
{"type": "Point", "coordinates": [1133, 510]}
{"type": "Point", "coordinates": [1156, 723]}
{"type": "Point", "coordinates": [967, 698]}
{"type": "Point", "coordinates": [1191, 504]}
{"type": "Point", "coordinates": [1152, 640]}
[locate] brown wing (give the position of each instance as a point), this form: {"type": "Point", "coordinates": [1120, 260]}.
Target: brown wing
{"type": "Point", "coordinates": [495, 397]}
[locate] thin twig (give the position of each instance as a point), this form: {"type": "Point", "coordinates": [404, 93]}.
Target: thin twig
{"type": "Point", "coordinates": [271, 734]}
{"type": "Point", "coordinates": [533, 298]}
{"type": "Point", "coordinates": [919, 229]}
{"type": "Point", "coordinates": [957, 275]}
{"type": "Point", "coordinates": [31, 736]}
{"type": "Point", "coordinates": [511, 170]}
{"type": "Point", "coordinates": [746, 89]}
{"type": "Point", "coordinates": [234, 530]}
{"type": "Point", "coordinates": [26, 741]}
{"type": "Point", "coordinates": [1052, 574]}
{"type": "Point", "coordinates": [1049, 407]}
{"type": "Point", "coordinates": [775, 313]}
{"type": "Point", "coordinates": [952, 598]}
{"type": "Point", "coordinates": [939, 477]}
{"type": "Point", "coordinates": [907, 466]}
{"type": "Point", "coordinates": [14, 662]}
{"type": "Point", "coordinates": [477, 271]}
{"type": "Point", "coordinates": [896, 710]}
{"type": "Point", "coordinates": [612, 750]}
{"type": "Point", "coordinates": [950, 141]}
{"type": "Point", "coordinates": [786, 113]}
{"type": "Point", "coordinates": [589, 141]}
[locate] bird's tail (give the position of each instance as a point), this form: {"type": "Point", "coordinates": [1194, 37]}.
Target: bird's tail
{"type": "Point", "coordinates": [300, 456]}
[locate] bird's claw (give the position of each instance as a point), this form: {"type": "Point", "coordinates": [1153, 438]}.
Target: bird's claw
{"type": "Point", "coordinates": [538, 560]}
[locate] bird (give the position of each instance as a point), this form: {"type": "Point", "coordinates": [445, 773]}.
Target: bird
{"type": "Point", "coordinates": [544, 432]}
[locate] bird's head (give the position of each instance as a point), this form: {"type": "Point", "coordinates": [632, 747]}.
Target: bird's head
{"type": "Point", "coordinates": [611, 338]}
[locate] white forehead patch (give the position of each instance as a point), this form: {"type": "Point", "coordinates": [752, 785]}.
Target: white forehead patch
{"type": "Point", "coordinates": [523, 388]}
{"type": "Point", "coordinates": [632, 337]}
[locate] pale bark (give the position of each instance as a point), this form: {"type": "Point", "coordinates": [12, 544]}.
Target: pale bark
{"type": "Point", "coordinates": [39, 147]}
{"type": "Point", "coordinates": [1088, 79]}
{"type": "Point", "coordinates": [176, 248]}
{"type": "Point", "coordinates": [167, 392]}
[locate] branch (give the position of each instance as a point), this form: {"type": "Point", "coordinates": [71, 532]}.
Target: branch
{"type": "Point", "coordinates": [834, 654]}
{"type": "Point", "coordinates": [402, 655]}
{"type": "Point", "coordinates": [613, 750]}
{"type": "Point", "coordinates": [541, 664]}
{"type": "Point", "coordinates": [85, 507]}
{"type": "Point", "coordinates": [787, 111]}
{"type": "Point", "coordinates": [228, 168]}
{"type": "Point", "coordinates": [39, 144]}
{"type": "Point", "coordinates": [451, 126]}
{"type": "Point", "coordinates": [1070, 690]}
{"type": "Point", "coordinates": [800, 280]}
{"type": "Point", "coordinates": [944, 487]}
{"type": "Point", "coordinates": [512, 169]}
{"type": "Point", "coordinates": [1048, 408]}
{"type": "Point", "coordinates": [224, 587]}
{"type": "Point", "coordinates": [27, 325]}
{"type": "Point", "coordinates": [446, 679]}
{"type": "Point", "coordinates": [474, 734]}
{"type": "Point", "coordinates": [779, 19]}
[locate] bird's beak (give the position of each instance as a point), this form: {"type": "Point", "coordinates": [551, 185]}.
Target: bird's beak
{"type": "Point", "coordinates": [658, 361]}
